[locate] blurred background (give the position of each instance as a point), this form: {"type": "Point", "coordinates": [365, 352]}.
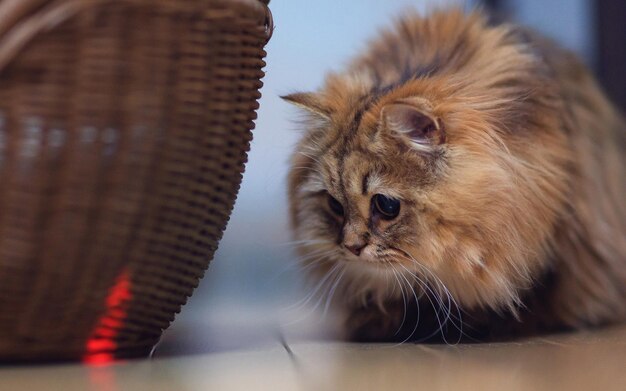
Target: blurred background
{"type": "Point", "coordinates": [245, 298]}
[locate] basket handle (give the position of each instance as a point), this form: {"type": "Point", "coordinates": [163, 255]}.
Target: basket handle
{"type": "Point", "coordinates": [11, 11]}
{"type": "Point", "coordinates": [19, 28]}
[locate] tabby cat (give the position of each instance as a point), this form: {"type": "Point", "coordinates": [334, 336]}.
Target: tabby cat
{"type": "Point", "coordinates": [462, 181]}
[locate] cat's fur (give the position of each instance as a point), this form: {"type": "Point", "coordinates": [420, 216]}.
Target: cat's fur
{"type": "Point", "coordinates": [514, 210]}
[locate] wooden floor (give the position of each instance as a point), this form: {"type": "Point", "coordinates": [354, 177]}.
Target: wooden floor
{"type": "Point", "coordinates": [583, 361]}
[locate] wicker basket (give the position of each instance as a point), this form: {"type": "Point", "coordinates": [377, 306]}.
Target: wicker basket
{"type": "Point", "coordinates": [124, 127]}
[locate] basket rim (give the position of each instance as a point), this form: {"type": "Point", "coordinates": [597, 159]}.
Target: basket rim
{"type": "Point", "coordinates": [22, 20]}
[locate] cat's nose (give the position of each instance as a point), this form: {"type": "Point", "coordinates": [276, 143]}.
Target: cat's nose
{"type": "Point", "coordinates": [356, 247]}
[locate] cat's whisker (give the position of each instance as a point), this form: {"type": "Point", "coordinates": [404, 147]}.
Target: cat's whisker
{"type": "Point", "coordinates": [311, 261]}
{"type": "Point", "coordinates": [458, 309]}
{"type": "Point", "coordinates": [449, 295]}
{"type": "Point", "coordinates": [395, 274]}
{"type": "Point", "coordinates": [407, 255]}
{"type": "Point", "coordinates": [308, 262]}
{"type": "Point", "coordinates": [410, 286]}
{"type": "Point", "coordinates": [435, 291]}
{"type": "Point", "coordinates": [314, 307]}
{"type": "Point", "coordinates": [315, 254]}
{"type": "Point", "coordinates": [315, 262]}
{"type": "Point", "coordinates": [436, 308]}
{"type": "Point", "coordinates": [449, 316]}
{"type": "Point", "coordinates": [303, 302]}
{"type": "Point", "coordinates": [440, 287]}
{"type": "Point", "coordinates": [332, 292]}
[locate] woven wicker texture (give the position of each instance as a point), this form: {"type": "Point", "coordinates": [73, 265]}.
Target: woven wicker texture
{"type": "Point", "coordinates": [124, 127]}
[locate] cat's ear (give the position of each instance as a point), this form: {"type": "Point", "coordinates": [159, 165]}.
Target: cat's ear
{"type": "Point", "coordinates": [417, 124]}
{"type": "Point", "coordinates": [311, 102]}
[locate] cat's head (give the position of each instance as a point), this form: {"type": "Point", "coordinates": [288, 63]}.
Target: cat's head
{"type": "Point", "coordinates": [450, 179]}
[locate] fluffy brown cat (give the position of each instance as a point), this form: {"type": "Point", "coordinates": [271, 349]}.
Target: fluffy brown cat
{"type": "Point", "coordinates": [462, 180]}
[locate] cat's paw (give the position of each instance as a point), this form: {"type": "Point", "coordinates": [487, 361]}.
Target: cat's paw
{"type": "Point", "coordinates": [371, 324]}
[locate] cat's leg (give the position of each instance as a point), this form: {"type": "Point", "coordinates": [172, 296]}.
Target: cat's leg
{"type": "Point", "coordinates": [399, 321]}
{"type": "Point", "coordinates": [372, 324]}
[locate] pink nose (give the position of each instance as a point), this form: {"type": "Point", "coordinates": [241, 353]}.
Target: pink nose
{"type": "Point", "coordinates": [355, 248]}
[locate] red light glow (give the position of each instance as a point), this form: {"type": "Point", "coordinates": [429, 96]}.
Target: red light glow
{"type": "Point", "coordinates": [101, 344]}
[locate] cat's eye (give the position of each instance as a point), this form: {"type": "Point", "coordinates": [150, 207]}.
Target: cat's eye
{"type": "Point", "coordinates": [335, 205]}
{"type": "Point", "coordinates": [387, 208]}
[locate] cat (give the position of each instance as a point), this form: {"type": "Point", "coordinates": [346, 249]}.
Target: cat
{"type": "Point", "coordinates": [462, 180]}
